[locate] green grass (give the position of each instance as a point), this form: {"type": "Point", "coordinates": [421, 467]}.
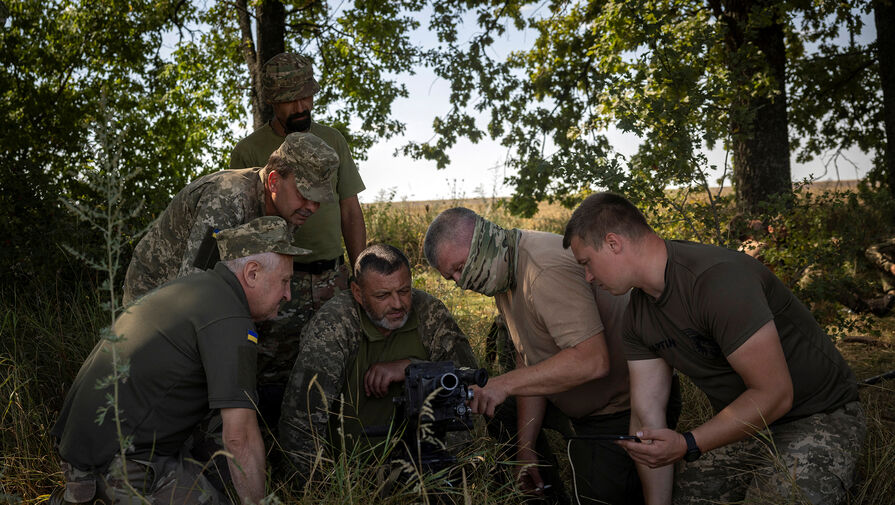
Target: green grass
{"type": "Point", "coordinates": [46, 332]}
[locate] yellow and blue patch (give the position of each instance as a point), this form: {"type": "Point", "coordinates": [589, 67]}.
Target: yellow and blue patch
{"type": "Point", "coordinates": [252, 337]}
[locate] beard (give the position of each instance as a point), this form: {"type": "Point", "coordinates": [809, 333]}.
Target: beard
{"type": "Point", "coordinates": [382, 320]}
{"type": "Point", "coordinates": [298, 122]}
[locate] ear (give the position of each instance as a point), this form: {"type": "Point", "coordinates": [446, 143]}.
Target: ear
{"type": "Point", "coordinates": [273, 181]}
{"type": "Point", "coordinates": [251, 272]}
{"type": "Point", "coordinates": [355, 291]}
{"type": "Point", "coordinates": [613, 242]}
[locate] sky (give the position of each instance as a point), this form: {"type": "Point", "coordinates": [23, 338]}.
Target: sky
{"type": "Point", "coordinates": [478, 170]}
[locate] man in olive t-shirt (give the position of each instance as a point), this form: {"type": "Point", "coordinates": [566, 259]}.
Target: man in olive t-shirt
{"type": "Point", "coordinates": [288, 85]}
{"type": "Point", "coordinates": [356, 349]}
{"type": "Point", "coordinates": [567, 336]}
{"type": "Point", "coordinates": [787, 424]}
{"type": "Point", "coordinates": [186, 349]}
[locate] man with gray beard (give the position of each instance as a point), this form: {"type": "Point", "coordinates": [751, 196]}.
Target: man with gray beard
{"type": "Point", "coordinates": [356, 348]}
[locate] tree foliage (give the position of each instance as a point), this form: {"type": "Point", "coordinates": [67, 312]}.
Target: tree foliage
{"type": "Point", "coordinates": [680, 74]}
{"type": "Point", "coordinates": [358, 50]}
{"type": "Point", "coordinates": [59, 59]}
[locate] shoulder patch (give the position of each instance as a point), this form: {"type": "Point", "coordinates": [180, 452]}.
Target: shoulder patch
{"type": "Point", "coordinates": [252, 337]}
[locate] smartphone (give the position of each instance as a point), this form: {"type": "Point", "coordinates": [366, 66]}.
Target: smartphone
{"type": "Point", "coordinates": [607, 437]}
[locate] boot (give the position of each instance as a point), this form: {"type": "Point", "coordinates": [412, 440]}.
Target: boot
{"type": "Point", "coordinates": [880, 306]}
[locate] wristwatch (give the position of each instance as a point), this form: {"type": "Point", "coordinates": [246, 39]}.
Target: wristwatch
{"type": "Point", "coordinates": [693, 453]}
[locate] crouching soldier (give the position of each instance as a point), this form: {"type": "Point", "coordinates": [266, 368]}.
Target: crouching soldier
{"type": "Point", "coordinates": [189, 348]}
{"type": "Point", "coordinates": [356, 348]}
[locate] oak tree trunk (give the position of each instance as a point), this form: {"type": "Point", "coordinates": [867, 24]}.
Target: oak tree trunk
{"type": "Point", "coordinates": [759, 123]}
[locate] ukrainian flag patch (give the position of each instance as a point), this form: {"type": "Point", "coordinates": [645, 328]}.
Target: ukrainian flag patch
{"type": "Point", "coordinates": [252, 337]}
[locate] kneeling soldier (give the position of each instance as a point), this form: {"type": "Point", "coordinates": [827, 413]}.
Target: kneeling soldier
{"type": "Point", "coordinates": [189, 348]}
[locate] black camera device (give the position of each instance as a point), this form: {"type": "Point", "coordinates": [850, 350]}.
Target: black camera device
{"type": "Point", "coordinates": [434, 402]}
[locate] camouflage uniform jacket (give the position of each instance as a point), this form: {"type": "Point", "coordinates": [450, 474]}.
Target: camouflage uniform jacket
{"type": "Point", "coordinates": [881, 255]}
{"type": "Point", "coordinates": [220, 200]}
{"type": "Point", "coordinates": [329, 343]}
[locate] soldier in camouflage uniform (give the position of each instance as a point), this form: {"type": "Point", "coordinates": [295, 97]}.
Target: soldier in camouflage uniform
{"type": "Point", "coordinates": [788, 423]}
{"type": "Point", "coordinates": [292, 184]}
{"type": "Point", "coordinates": [189, 347]}
{"type": "Point", "coordinates": [355, 349]}
{"type": "Point", "coordinates": [882, 256]}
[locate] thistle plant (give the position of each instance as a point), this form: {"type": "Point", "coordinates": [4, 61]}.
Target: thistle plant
{"type": "Point", "coordinates": [108, 178]}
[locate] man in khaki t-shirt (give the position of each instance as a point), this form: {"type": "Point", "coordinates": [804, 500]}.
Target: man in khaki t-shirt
{"type": "Point", "coordinates": [567, 340]}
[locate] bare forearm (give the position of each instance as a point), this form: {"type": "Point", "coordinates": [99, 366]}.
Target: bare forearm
{"type": "Point", "coordinates": [529, 418]}
{"type": "Point", "coordinates": [554, 375]}
{"type": "Point", "coordinates": [247, 469]}
{"type": "Point", "coordinates": [752, 411]}
{"type": "Point", "coordinates": [354, 230]}
{"type": "Point", "coordinates": [566, 369]}
{"type": "Point", "coordinates": [657, 482]}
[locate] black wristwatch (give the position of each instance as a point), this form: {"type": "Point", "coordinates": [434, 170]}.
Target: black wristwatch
{"type": "Point", "coordinates": [693, 453]}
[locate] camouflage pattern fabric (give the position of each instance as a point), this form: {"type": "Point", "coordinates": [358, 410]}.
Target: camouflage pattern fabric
{"type": "Point", "coordinates": [882, 256]}
{"type": "Point", "coordinates": [314, 161]}
{"type": "Point", "coordinates": [329, 343]}
{"type": "Point", "coordinates": [491, 264]}
{"type": "Point", "coordinates": [807, 460]}
{"type": "Point", "coordinates": [261, 235]}
{"type": "Point", "coordinates": [165, 481]}
{"type": "Point", "coordinates": [220, 200]}
{"type": "Point", "coordinates": [287, 77]}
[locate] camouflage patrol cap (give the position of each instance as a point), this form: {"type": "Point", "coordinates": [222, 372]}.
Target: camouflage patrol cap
{"type": "Point", "coordinates": [261, 235]}
{"type": "Point", "coordinates": [314, 164]}
{"type": "Point", "coordinates": [287, 77]}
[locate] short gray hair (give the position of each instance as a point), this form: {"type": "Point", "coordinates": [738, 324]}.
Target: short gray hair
{"type": "Point", "coordinates": [267, 260]}
{"type": "Point", "coordinates": [453, 225]}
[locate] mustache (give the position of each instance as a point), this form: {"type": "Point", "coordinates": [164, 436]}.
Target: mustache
{"type": "Point", "coordinates": [299, 115]}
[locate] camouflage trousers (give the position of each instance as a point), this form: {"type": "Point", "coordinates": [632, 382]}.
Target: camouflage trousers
{"type": "Point", "coordinates": [810, 460]}
{"type": "Point", "coordinates": [881, 256]}
{"type": "Point", "coordinates": [170, 480]}
{"type": "Point", "coordinates": [279, 338]}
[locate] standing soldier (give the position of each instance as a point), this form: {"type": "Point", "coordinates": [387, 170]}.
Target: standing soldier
{"type": "Point", "coordinates": [288, 84]}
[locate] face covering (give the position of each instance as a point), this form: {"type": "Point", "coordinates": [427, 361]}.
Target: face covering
{"type": "Point", "coordinates": [490, 267]}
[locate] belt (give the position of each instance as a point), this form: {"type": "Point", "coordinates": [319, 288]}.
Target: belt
{"type": "Point", "coordinates": [319, 266]}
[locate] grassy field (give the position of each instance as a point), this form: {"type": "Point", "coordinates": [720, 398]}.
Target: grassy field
{"type": "Point", "coordinates": [46, 331]}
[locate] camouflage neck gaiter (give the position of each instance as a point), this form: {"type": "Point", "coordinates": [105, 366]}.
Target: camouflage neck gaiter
{"type": "Point", "coordinates": [491, 265]}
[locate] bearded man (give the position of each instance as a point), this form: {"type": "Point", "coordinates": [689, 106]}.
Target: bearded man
{"type": "Point", "coordinates": [356, 348]}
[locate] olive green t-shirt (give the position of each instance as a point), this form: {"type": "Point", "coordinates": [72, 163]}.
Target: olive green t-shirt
{"type": "Point", "coordinates": [714, 300]}
{"type": "Point", "coordinates": [322, 232]}
{"type": "Point", "coordinates": [374, 347]}
{"type": "Point", "coordinates": [190, 346]}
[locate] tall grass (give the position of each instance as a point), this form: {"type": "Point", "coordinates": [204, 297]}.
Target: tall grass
{"type": "Point", "coordinates": [47, 331]}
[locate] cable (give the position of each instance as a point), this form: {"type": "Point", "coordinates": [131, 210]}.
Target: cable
{"type": "Point", "coordinates": [572, 466]}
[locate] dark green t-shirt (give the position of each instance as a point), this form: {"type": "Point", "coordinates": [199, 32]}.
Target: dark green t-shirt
{"type": "Point", "coordinates": [322, 232]}
{"type": "Point", "coordinates": [714, 300]}
{"type": "Point", "coordinates": [190, 346]}
{"type": "Point", "coordinates": [374, 347]}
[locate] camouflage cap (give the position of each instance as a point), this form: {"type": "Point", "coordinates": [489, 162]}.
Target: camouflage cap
{"type": "Point", "coordinates": [287, 77]}
{"type": "Point", "coordinates": [314, 162]}
{"type": "Point", "coordinates": [261, 235]}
